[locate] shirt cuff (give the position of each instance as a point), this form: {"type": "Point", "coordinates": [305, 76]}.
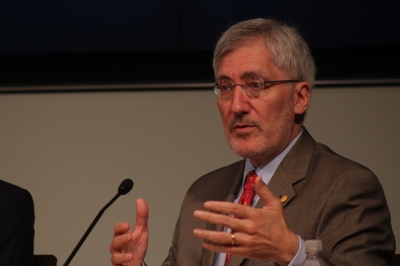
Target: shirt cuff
{"type": "Point", "coordinates": [300, 255]}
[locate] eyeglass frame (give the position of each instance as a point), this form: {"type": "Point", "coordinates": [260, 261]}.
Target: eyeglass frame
{"type": "Point", "coordinates": [245, 86]}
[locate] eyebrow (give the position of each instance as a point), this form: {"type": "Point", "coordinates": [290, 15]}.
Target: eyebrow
{"type": "Point", "coordinates": [219, 77]}
{"type": "Point", "coordinates": [251, 74]}
{"type": "Point", "coordinates": [245, 75]}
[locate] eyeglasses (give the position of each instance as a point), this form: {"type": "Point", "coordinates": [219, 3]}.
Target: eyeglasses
{"type": "Point", "coordinates": [253, 87]}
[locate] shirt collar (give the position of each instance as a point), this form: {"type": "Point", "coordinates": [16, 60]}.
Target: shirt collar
{"type": "Point", "coordinates": [267, 170]}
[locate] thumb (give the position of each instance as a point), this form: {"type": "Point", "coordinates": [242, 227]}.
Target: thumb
{"type": "Point", "coordinates": [264, 193]}
{"type": "Point", "coordinates": [142, 212]}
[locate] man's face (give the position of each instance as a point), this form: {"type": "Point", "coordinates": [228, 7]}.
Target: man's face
{"type": "Point", "coordinates": [258, 129]}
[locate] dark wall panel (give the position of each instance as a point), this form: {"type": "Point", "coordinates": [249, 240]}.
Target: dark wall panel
{"type": "Point", "coordinates": [76, 26]}
{"type": "Point", "coordinates": [163, 41]}
{"type": "Point", "coordinates": [127, 26]}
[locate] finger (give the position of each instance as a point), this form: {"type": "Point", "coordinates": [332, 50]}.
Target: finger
{"type": "Point", "coordinates": [119, 242]}
{"type": "Point", "coordinates": [120, 258]}
{"type": "Point", "coordinates": [214, 218]}
{"type": "Point", "coordinates": [265, 194]}
{"type": "Point", "coordinates": [121, 228]}
{"type": "Point", "coordinates": [231, 249]}
{"type": "Point", "coordinates": [244, 225]}
{"type": "Point", "coordinates": [142, 215]}
{"type": "Point", "coordinates": [220, 241]}
{"type": "Point", "coordinates": [224, 207]}
{"type": "Point", "coordinates": [142, 212]}
{"type": "Point", "coordinates": [221, 238]}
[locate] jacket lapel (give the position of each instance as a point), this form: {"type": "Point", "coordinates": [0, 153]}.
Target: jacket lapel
{"type": "Point", "coordinates": [292, 169]}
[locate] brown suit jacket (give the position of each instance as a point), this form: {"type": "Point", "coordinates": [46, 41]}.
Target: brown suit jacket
{"type": "Point", "coordinates": [329, 198]}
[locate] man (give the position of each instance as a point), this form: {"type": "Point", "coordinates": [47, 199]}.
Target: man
{"type": "Point", "coordinates": [264, 75]}
{"type": "Point", "coordinates": [16, 225]}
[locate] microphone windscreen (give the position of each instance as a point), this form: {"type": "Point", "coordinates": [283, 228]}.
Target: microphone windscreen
{"type": "Point", "coordinates": [125, 186]}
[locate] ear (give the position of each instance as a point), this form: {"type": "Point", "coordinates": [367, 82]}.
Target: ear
{"type": "Point", "coordinates": [301, 94]}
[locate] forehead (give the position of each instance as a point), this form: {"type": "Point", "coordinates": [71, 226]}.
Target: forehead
{"type": "Point", "coordinates": [252, 59]}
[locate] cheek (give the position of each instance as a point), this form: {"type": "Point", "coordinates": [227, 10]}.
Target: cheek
{"type": "Point", "coordinates": [223, 111]}
{"type": "Point", "coordinates": [265, 109]}
{"type": "Point", "coordinates": [271, 113]}
{"type": "Point", "coordinates": [276, 105]}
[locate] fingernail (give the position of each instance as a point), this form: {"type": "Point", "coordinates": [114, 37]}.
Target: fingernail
{"type": "Point", "coordinates": [197, 213]}
{"type": "Point", "coordinates": [207, 204]}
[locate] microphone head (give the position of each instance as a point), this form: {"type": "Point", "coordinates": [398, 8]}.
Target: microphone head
{"type": "Point", "coordinates": [125, 186]}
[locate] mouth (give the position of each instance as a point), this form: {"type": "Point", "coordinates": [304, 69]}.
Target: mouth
{"type": "Point", "coordinates": [243, 125]}
{"type": "Point", "coordinates": [242, 128]}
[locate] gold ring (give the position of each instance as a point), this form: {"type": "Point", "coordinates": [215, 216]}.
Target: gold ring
{"type": "Point", "coordinates": [233, 239]}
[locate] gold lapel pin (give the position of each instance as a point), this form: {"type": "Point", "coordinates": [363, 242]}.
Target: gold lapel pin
{"type": "Point", "coordinates": [283, 198]}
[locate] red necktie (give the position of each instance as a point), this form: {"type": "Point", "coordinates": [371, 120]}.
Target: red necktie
{"type": "Point", "coordinates": [246, 198]}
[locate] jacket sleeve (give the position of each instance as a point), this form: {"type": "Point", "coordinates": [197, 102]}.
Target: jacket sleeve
{"type": "Point", "coordinates": [355, 225]}
{"type": "Point", "coordinates": [17, 229]}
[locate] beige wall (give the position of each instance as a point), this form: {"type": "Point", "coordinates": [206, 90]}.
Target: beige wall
{"type": "Point", "coordinates": [72, 150]}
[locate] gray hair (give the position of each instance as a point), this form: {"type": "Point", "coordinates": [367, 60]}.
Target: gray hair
{"type": "Point", "coordinates": [288, 49]}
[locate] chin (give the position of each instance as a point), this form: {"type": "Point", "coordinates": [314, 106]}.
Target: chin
{"type": "Point", "coordinates": [245, 149]}
{"type": "Point", "coordinates": [252, 148]}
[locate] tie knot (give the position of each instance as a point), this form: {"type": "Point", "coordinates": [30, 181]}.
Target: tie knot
{"type": "Point", "coordinates": [248, 189]}
{"type": "Point", "coordinates": [250, 178]}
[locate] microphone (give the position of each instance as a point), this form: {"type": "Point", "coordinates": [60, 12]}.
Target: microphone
{"type": "Point", "coordinates": [125, 186]}
{"type": "Point", "coordinates": [123, 189]}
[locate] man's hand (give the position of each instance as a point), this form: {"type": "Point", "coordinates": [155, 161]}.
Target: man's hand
{"type": "Point", "coordinates": [128, 248]}
{"type": "Point", "coordinates": [260, 234]}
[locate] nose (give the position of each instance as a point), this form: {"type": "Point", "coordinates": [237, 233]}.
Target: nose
{"type": "Point", "coordinates": [239, 101]}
